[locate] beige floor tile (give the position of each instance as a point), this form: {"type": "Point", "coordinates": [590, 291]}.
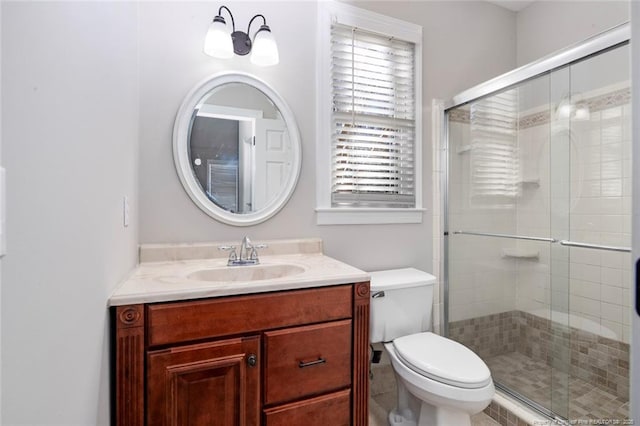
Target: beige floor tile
{"type": "Point", "coordinates": [481, 419]}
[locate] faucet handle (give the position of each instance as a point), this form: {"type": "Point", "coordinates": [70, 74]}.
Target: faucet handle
{"type": "Point", "coordinates": [254, 251]}
{"type": "Point", "coordinates": [232, 252]}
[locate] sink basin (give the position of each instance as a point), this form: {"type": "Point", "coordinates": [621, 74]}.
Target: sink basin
{"type": "Point", "coordinates": [246, 273]}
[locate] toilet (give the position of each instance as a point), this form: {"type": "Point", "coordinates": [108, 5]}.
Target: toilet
{"type": "Point", "coordinates": [440, 382]}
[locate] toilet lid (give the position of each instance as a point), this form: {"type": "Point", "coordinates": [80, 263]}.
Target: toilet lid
{"type": "Point", "coordinates": [443, 360]}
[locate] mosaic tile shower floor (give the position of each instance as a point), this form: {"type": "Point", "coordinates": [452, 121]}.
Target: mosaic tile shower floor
{"type": "Point", "coordinates": [534, 379]}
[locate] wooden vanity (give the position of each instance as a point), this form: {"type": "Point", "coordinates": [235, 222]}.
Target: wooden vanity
{"type": "Point", "coordinates": [277, 358]}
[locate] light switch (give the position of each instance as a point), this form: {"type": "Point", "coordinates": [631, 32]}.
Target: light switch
{"type": "Point", "coordinates": [125, 211]}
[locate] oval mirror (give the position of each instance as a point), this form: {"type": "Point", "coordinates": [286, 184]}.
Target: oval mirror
{"type": "Point", "coordinates": [236, 147]}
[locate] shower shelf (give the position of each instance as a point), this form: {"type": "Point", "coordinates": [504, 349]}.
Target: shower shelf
{"type": "Point", "coordinates": [518, 253]}
{"type": "Point", "coordinates": [463, 149]}
{"type": "Point", "coordinates": [530, 182]}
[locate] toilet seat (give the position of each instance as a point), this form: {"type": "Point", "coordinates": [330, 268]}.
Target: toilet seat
{"type": "Point", "coordinates": [443, 360]}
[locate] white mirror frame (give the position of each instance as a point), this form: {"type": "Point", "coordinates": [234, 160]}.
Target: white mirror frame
{"type": "Point", "coordinates": [181, 130]}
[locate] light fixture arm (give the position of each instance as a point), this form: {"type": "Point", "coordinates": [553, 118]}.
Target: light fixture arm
{"type": "Point", "coordinates": [233, 22]}
{"type": "Point", "coordinates": [251, 21]}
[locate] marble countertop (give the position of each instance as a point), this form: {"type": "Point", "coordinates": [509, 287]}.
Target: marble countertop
{"type": "Point", "coordinates": [168, 280]}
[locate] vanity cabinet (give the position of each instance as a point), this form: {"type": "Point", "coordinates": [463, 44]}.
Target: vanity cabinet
{"type": "Point", "coordinates": [294, 357]}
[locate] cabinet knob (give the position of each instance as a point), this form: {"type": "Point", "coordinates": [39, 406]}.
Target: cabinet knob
{"type": "Point", "coordinates": [252, 360]}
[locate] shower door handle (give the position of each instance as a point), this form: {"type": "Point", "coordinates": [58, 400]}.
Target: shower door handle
{"type": "Point", "coordinates": [638, 286]}
{"type": "Point", "coordinates": [594, 246]}
{"type": "Point", "coordinates": [514, 237]}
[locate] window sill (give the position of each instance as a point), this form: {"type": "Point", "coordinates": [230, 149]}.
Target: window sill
{"type": "Point", "coordinates": [364, 216]}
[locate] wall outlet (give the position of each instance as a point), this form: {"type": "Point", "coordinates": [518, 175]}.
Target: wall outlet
{"type": "Point", "coordinates": [125, 211]}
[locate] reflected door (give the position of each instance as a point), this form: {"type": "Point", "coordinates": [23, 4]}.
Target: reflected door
{"type": "Point", "coordinates": [273, 156]}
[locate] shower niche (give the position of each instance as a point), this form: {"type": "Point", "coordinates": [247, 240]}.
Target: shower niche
{"type": "Point", "coordinates": [538, 224]}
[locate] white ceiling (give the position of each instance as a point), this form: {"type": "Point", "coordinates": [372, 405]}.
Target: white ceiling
{"type": "Point", "coordinates": [514, 5]}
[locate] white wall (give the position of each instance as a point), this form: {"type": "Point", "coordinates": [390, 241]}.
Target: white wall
{"type": "Point", "coordinates": [70, 114]}
{"type": "Point", "coordinates": [546, 26]}
{"type": "Point", "coordinates": [479, 46]}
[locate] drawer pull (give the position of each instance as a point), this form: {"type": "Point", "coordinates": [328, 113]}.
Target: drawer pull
{"type": "Point", "coordinates": [318, 361]}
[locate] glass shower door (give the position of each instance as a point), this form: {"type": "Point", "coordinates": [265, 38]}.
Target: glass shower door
{"type": "Point", "coordinates": [539, 178]}
{"type": "Point", "coordinates": [503, 203]}
{"type": "Point", "coordinates": [599, 236]}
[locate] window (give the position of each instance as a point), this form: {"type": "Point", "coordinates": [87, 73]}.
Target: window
{"type": "Point", "coordinates": [369, 121]}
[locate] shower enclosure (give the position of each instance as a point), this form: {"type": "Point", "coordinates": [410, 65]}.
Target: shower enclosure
{"type": "Point", "coordinates": [538, 225]}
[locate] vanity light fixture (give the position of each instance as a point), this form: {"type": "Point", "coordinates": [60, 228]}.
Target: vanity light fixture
{"type": "Point", "coordinates": [221, 43]}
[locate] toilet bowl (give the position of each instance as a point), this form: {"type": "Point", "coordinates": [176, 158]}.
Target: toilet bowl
{"type": "Point", "coordinates": [440, 382]}
{"type": "Point", "coordinates": [449, 400]}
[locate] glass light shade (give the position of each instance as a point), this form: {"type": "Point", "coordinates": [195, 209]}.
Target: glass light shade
{"type": "Point", "coordinates": [265, 50]}
{"type": "Point", "coordinates": [218, 41]}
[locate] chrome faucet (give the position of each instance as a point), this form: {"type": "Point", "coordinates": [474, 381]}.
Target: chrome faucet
{"type": "Point", "coordinates": [245, 246]}
{"type": "Point", "coordinates": [248, 254]}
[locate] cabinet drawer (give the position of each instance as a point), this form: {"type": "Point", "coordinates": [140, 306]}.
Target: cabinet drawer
{"type": "Point", "coordinates": [307, 360]}
{"type": "Point", "coordinates": [170, 323]}
{"type": "Point", "coordinates": [333, 409]}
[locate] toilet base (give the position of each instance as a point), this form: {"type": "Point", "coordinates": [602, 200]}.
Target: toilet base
{"type": "Point", "coordinates": [429, 416]}
{"type": "Point", "coordinates": [408, 405]}
{"type": "Point", "coordinates": [436, 416]}
{"type": "Point", "coordinates": [399, 419]}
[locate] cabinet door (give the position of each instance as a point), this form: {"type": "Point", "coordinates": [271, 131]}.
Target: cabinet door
{"type": "Point", "coordinates": [213, 384]}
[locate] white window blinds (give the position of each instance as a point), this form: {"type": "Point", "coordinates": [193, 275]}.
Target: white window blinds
{"type": "Point", "coordinates": [495, 167]}
{"type": "Point", "coordinates": [373, 119]}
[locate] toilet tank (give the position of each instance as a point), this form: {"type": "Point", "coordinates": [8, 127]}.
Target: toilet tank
{"type": "Point", "coordinates": [401, 303]}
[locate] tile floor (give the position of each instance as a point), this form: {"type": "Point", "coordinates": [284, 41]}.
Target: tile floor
{"type": "Point", "coordinates": [534, 379]}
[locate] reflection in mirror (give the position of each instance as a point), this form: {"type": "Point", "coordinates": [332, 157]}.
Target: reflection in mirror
{"type": "Point", "coordinates": [239, 148]}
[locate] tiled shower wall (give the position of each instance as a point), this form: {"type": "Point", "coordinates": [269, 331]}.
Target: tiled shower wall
{"type": "Point", "coordinates": [599, 293]}
{"type": "Point", "coordinates": [483, 278]}
{"type": "Point", "coordinates": [602, 213]}
{"type": "Point", "coordinates": [437, 178]}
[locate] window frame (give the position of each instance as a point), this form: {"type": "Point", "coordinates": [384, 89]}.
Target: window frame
{"type": "Point", "coordinates": [330, 12]}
